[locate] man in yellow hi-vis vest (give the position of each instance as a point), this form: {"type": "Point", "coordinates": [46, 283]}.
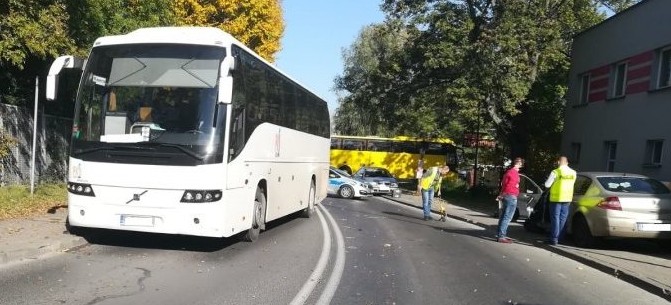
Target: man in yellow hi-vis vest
{"type": "Point", "coordinates": [560, 182]}
{"type": "Point", "coordinates": [430, 183]}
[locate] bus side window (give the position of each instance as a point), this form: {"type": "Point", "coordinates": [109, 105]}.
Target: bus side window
{"type": "Point", "coordinates": [352, 144]}
{"type": "Point", "coordinates": [336, 143]}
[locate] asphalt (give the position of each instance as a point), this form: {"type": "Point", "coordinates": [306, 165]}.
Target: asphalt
{"type": "Point", "coordinates": [639, 263]}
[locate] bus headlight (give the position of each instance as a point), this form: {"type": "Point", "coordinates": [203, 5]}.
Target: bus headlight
{"type": "Point", "coordinates": [199, 196]}
{"type": "Point", "coordinates": [81, 189]}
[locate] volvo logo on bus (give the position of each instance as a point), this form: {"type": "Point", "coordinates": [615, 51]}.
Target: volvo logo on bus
{"type": "Point", "coordinates": [136, 197]}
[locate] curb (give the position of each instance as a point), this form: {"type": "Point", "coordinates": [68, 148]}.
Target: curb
{"type": "Point", "coordinates": [628, 276]}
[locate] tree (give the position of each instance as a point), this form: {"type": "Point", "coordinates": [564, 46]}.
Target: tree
{"type": "Point", "coordinates": [256, 23]}
{"type": "Point", "coordinates": [90, 19]}
{"type": "Point", "coordinates": [30, 31]}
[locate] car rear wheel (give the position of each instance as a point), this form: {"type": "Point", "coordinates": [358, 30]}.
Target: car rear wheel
{"type": "Point", "coordinates": [346, 191]}
{"type": "Point", "coordinates": [582, 236]}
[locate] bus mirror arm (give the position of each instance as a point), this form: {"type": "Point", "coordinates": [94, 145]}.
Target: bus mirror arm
{"type": "Point", "coordinates": [65, 61]}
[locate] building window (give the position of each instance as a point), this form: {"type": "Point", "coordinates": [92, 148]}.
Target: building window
{"type": "Point", "coordinates": [610, 150]}
{"type": "Point", "coordinates": [620, 82]}
{"type": "Point", "coordinates": [574, 157]}
{"type": "Point", "coordinates": [584, 89]}
{"type": "Point", "coordinates": [665, 68]}
{"type": "Point", "coordinates": [653, 152]}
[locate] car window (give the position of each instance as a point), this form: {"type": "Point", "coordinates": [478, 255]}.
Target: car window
{"type": "Point", "coordinates": [640, 185]}
{"type": "Point", "coordinates": [523, 184]}
{"type": "Point", "coordinates": [581, 185]}
{"type": "Point", "coordinates": [527, 185]}
{"type": "Point", "coordinates": [377, 172]}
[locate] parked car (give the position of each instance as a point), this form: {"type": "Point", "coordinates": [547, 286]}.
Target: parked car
{"type": "Point", "coordinates": [381, 181]}
{"type": "Point", "coordinates": [530, 193]}
{"type": "Point", "coordinates": [345, 186]}
{"type": "Point", "coordinates": [617, 205]}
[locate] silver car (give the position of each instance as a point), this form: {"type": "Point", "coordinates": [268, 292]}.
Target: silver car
{"type": "Point", "coordinates": [379, 179]}
{"type": "Point", "coordinates": [618, 205]}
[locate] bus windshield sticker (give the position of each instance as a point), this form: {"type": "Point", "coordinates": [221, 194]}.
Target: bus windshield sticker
{"type": "Point", "coordinates": [100, 81]}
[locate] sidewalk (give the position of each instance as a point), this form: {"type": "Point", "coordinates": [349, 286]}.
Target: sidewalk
{"type": "Point", "coordinates": [31, 238]}
{"type": "Point", "coordinates": [640, 263]}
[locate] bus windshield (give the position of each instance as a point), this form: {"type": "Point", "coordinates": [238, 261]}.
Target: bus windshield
{"type": "Point", "coordinates": [150, 100]}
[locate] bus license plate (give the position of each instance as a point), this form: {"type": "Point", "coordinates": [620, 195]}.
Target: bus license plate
{"type": "Point", "coordinates": [137, 221]}
{"type": "Point", "coordinates": [657, 227]}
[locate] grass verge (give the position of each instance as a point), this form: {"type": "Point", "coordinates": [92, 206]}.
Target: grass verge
{"type": "Point", "coordinates": [17, 202]}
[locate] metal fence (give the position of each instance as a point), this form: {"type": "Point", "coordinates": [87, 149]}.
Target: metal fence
{"type": "Point", "coordinates": [53, 139]}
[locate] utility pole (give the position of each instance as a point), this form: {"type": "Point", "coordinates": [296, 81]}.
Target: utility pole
{"type": "Point", "coordinates": [477, 146]}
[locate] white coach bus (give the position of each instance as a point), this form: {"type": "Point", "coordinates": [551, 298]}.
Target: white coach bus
{"type": "Point", "coordinates": [184, 130]}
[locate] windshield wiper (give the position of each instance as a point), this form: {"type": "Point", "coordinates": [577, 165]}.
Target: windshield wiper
{"type": "Point", "coordinates": [184, 150]}
{"type": "Point", "coordinates": [114, 147]}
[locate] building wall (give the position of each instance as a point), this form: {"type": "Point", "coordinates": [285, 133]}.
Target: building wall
{"type": "Point", "coordinates": [635, 37]}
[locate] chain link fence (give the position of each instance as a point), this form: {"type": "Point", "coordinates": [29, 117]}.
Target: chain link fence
{"type": "Point", "coordinates": [51, 153]}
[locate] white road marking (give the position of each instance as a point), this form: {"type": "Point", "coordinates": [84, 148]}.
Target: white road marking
{"type": "Point", "coordinates": [312, 281]}
{"type": "Point", "coordinates": [339, 266]}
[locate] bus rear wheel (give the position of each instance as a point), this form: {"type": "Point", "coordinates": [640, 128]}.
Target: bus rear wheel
{"type": "Point", "coordinates": [309, 211]}
{"type": "Point", "coordinates": [258, 217]}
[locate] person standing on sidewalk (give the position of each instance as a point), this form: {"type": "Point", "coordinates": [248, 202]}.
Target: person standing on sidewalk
{"type": "Point", "coordinates": [510, 189]}
{"type": "Point", "coordinates": [560, 182]}
{"type": "Point", "coordinates": [430, 183]}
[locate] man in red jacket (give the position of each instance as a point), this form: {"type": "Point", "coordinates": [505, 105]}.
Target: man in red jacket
{"type": "Point", "coordinates": [510, 188]}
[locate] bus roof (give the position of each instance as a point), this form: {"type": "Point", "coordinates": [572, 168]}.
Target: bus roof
{"type": "Point", "coordinates": [396, 138]}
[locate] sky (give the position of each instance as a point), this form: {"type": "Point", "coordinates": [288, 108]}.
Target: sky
{"type": "Point", "coordinates": [315, 33]}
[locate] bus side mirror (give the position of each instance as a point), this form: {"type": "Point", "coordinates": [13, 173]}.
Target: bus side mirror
{"type": "Point", "coordinates": [226, 90]}
{"type": "Point", "coordinates": [66, 61]}
{"type": "Point", "coordinates": [226, 80]}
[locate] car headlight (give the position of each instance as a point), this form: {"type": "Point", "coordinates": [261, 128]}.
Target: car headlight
{"type": "Point", "coordinates": [394, 184]}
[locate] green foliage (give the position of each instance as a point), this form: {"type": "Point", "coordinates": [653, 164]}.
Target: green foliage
{"type": "Point", "coordinates": [90, 19]}
{"type": "Point", "coordinates": [32, 27]}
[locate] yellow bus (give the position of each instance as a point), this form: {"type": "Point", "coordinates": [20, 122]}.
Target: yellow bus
{"type": "Point", "coordinates": [400, 155]}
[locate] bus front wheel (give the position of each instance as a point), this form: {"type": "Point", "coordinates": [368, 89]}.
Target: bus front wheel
{"type": "Point", "coordinates": [309, 211]}
{"type": "Point", "coordinates": [258, 217]}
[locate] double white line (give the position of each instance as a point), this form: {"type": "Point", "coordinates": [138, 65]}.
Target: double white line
{"type": "Point", "coordinates": [338, 267]}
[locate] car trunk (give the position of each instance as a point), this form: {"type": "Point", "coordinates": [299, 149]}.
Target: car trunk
{"type": "Point", "coordinates": [645, 206]}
